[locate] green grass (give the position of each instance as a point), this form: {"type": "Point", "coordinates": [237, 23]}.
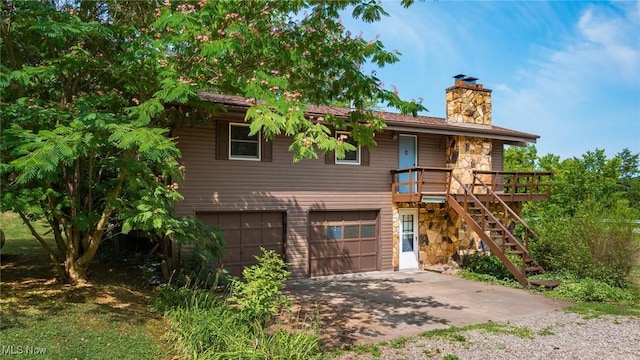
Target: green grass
{"type": "Point", "coordinates": [81, 331]}
{"type": "Point", "coordinates": [456, 334]}
{"type": "Point", "coordinates": [595, 310]}
{"type": "Point", "coordinates": [399, 342]}
{"type": "Point", "coordinates": [14, 228]}
{"type": "Point", "coordinates": [108, 319]}
{"type": "Point", "coordinates": [361, 349]}
{"type": "Point", "coordinates": [489, 279]}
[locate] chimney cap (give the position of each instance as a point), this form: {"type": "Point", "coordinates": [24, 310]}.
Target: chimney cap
{"type": "Point", "coordinates": [459, 76]}
{"type": "Point", "coordinates": [470, 80]}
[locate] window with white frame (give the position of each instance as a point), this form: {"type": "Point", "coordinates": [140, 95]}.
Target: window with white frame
{"type": "Point", "coordinates": [243, 146]}
{"type": "Point", "coordinates": [350, 157]}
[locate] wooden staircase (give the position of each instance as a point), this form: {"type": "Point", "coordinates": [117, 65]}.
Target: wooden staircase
{"type": "Point", "coordinates": [495, 232]}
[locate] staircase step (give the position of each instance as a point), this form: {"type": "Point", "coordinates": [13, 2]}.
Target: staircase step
{"type": "Point", "coordinates": [533, 269]}
{"type": "Point", "coordinates": [547, 284]}
{"type": "Point", "coordinates": [516, 252]}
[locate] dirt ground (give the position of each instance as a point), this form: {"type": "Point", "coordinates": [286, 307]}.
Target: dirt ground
{"type": "Point", "coordinates": [28, 287]}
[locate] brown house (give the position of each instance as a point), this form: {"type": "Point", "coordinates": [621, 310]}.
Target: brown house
{"type": "Point", "coordinates": [430, 190]}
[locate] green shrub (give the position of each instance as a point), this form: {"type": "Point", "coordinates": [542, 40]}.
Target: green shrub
{"type": "Point", "coordinates": [487, 265]}
{"type": "Point", "coordinates": [596, 243]}
{"type": "Point", "coordinates": [490, 279]}
{"type": "Point", "coordinates": [170, 297]}
{"type": "Point", "coordinates": [590, 290]}
{"type": "Point", "coordinates": [260, 297]}
{"type": "Point", "coordinates": [218, 328]}
{"type": "Point", "coordinates": [206, 325]}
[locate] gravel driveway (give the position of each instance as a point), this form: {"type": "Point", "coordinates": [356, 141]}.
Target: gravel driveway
{"type": "Point", "coordinates": [373, 309]}
{"type": "Point", "coordinates": [558, 335]}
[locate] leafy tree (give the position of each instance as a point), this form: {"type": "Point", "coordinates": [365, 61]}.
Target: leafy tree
{"type": "Point", "coordinates": [587, 227]}
{"type": "Point", "coordinates": [591, 177]}
{"type": "Point", "coordinates": [89, 90]}
{"type": "Point", "coordinates": [629, 180]}
{"type": "Point", "coordinates": [518, 158]}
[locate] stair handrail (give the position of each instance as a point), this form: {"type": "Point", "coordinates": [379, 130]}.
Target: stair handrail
{"type": "Point", "coordinates": [485, 209]}
{"type": "Point", "coordinates": [509, 210]}
{"type": "Point", "coordinates": [505, 232]}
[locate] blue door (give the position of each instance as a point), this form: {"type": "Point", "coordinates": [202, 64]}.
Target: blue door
{"type": "Point", "coordinates": [407, 158]}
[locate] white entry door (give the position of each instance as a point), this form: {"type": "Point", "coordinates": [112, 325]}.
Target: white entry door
{"type": "Point", "coordinates": [409, 252]}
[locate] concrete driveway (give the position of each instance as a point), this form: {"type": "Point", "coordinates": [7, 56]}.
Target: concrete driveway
{"type": "Point", "coordinates": [370, 307]}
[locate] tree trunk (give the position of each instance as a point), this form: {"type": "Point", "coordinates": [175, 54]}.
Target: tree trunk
{"type": "Point", "coordinates": [76, 273]}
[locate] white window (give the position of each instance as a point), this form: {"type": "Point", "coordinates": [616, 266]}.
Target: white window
{"type": "Point", "coordinates": [350, 157]}
{"type": "Point", "coordinates": [243, 146]}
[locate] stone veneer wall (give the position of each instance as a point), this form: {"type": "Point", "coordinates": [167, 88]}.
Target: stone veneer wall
{"type": "Point", "coordinates": [465, 154]}
{"type": "Point", "coordinates": [441, 234]}
{"type": "Point", "coordinates": [469, 104]}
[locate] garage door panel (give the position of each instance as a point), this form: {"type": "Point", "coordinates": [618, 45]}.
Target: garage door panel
{"type": "Point", "coordinates": [351, 216]}
{"type": "Point", "coordinates": [244, 234]}
{"type": "Point", "coordinates": [368, 262]}
{"type": "Point", "coordinates": [272, 220]}
{"type": "Point", "coordinates": [232, 236]}
{"type": "Point", "coordinates": [252, 236]}
{"type": "Point", "coordinates": [233, 254]}
{"type": "Point", "coordinates": [334, 216]}
{"type": "Point", "coordinates": [275, 247]}
{"type": "Point", "coordinates": [369, 215]}
{"type": "Point", "coordinates": [368, 245]}
{"type": "Point", "coordinates": [249, 253]}
{"type": "Point", "coordinates": [251, 220]}
{"type": "Point", "coordinates": [271, 236]}
{"type": "Point", "coordinates": [343, 242]}
{"type": "Point", "coordinates": [316, 231]}
{"type": "Point", "coordinates": [209, 218]}
{"type": "Point", "coordinates": [330, 266]}
{"type": "Point", "coordinates": [352, 247]}
{"type": "Point", "coordinates": [229, 220]}
{"type": "Point", "coordinates": [325, 248]}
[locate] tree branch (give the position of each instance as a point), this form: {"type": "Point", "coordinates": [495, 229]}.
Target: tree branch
{"type": "Point", "coordinates": [96, 236]}
{"type": "Point", "coordinates": [43, 243]}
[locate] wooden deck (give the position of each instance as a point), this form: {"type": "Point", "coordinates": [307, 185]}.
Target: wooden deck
{"type": "Point", "coordinates": [423, 184]}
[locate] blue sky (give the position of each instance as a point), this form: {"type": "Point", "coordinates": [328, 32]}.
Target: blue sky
{"type": "Point", "coordinates": [568, 71]}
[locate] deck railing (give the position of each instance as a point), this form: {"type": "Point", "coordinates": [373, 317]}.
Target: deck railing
{"type": "Point", "coordinates": [516, 186]}
{"type": "Point", "coordinates": [411, 184]}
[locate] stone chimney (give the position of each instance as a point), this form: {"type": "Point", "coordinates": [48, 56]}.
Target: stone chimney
{"type": "Point", "coordinates": [468, 103]}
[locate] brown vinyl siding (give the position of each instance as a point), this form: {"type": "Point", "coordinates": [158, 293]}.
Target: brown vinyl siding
{"type": "Point", "coordinates": [431, 150]}
{"type": "Point", "coordinates": [497, 155]}
{"type": "Point", "coordinates": [213, 184]}
{"type": "Point", "coordinates": [281, 185]}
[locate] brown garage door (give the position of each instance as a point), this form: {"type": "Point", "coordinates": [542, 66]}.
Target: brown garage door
{"type": "Point", "coordinates": [245, 233]}
{"type": "Point", "coordinates": [343, 242]}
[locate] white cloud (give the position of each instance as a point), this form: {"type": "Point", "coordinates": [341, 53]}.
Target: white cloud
{"type": "Point", "coordinates": [612, 40]}
{"type": "Point", "coordinates": [583, 94]}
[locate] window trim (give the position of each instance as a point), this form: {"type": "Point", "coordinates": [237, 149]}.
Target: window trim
{"type": "Point", "coordinates": [245, 158]}
{"type": "Point", "coordinates": [358, 150]}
